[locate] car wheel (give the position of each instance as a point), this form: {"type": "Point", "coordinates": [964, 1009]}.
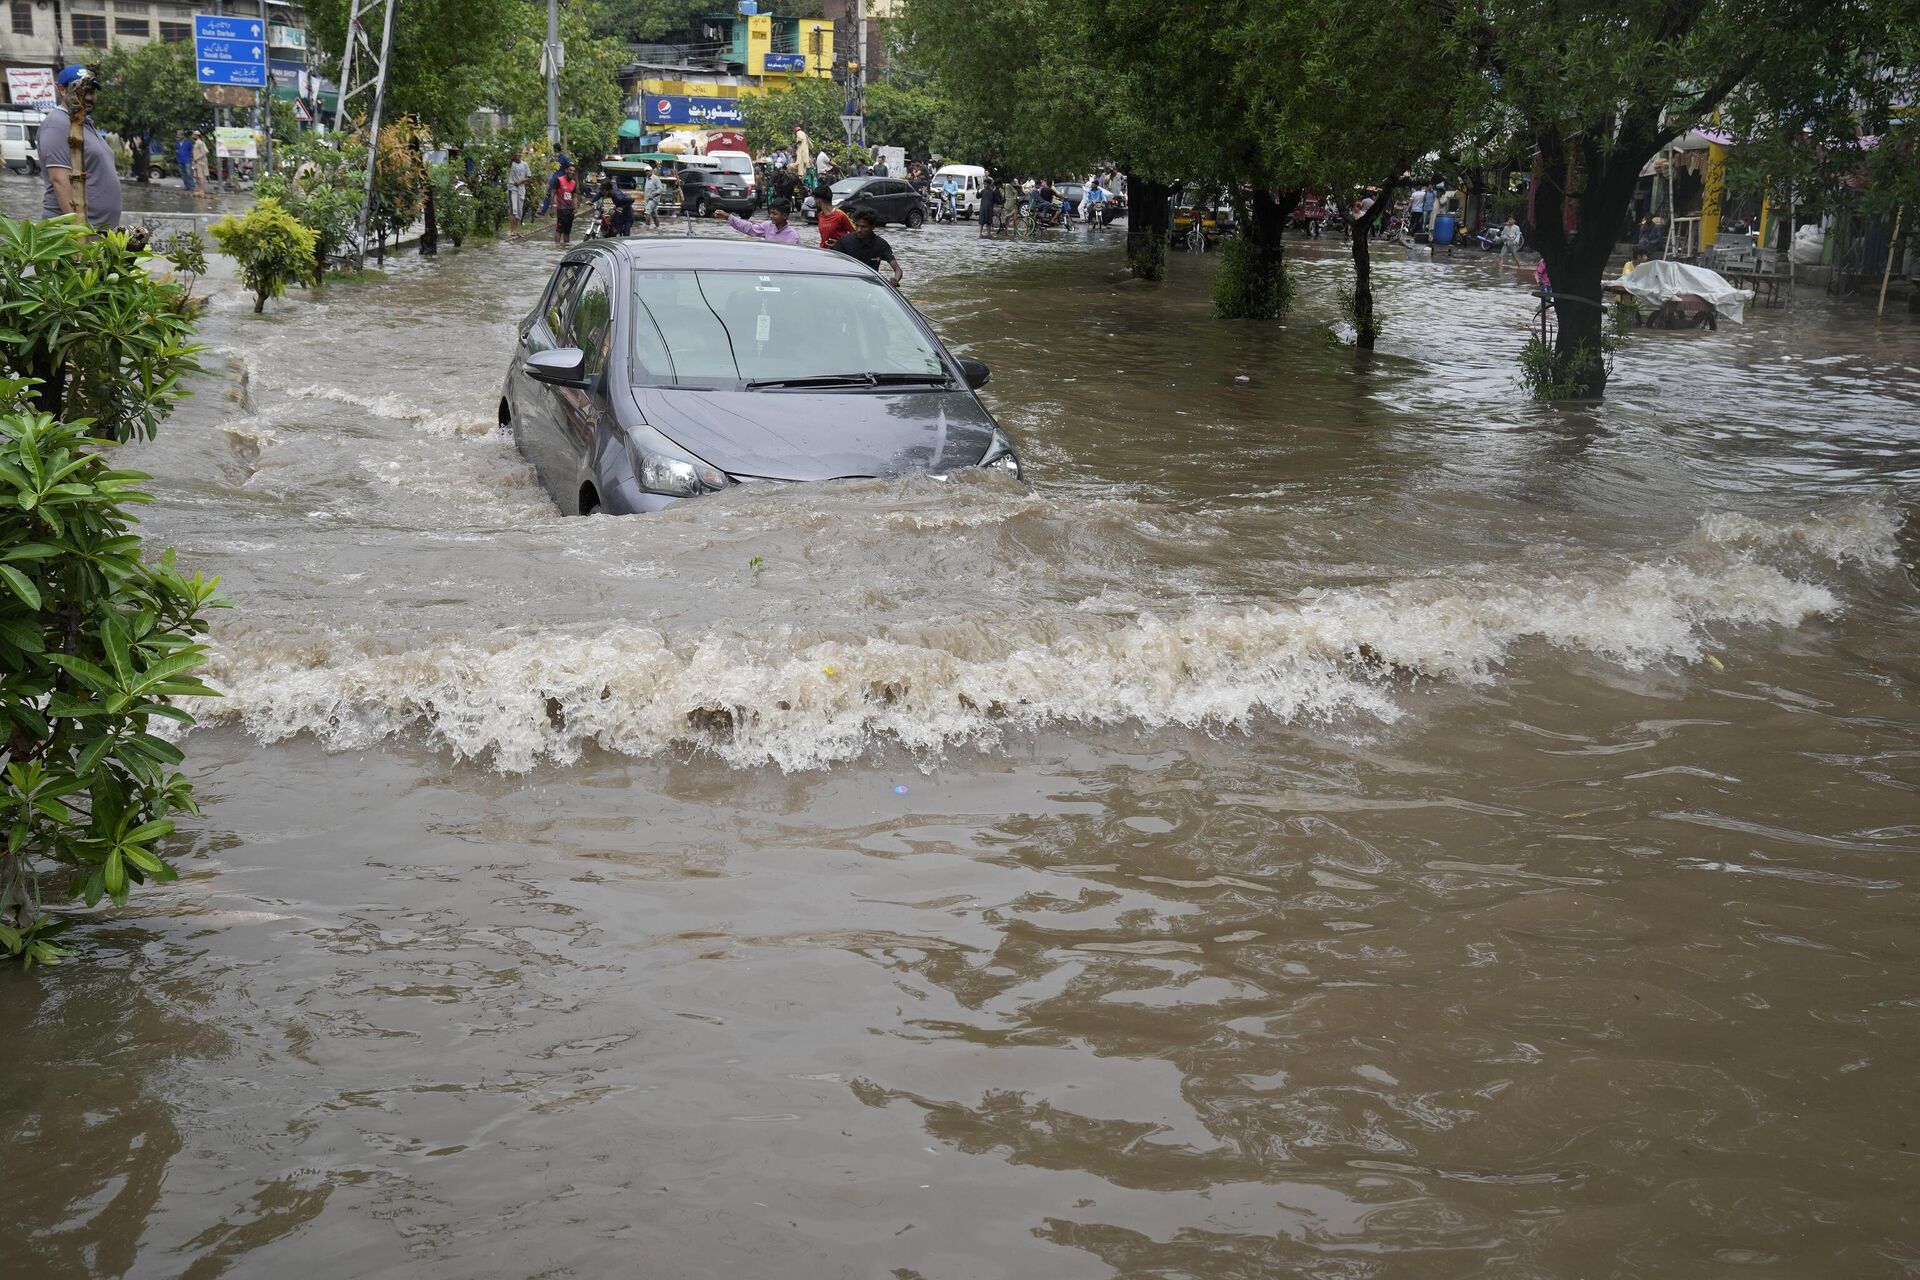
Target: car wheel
{"type": "Point", "coordinates": [700, 207]}
{"type": "Point", "coordinates": [155, 172]}
{"type": "Point", "coordinates": [915, 217]}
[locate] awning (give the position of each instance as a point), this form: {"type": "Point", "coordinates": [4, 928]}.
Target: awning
{"type": "Point", "coordinates": [630, 128]}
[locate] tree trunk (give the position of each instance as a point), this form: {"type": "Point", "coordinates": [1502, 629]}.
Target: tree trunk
{"type": "Point", "coordinates": [430, 236]}
{"type": "Point", "coordinates": [259, 302]}
{"type": "Point", "coordinates": [1583, 190]}
{"type": "Point", "coordinates": [1147, 228]}
{"type": "Point", "coordinates": [1364, 328]}
{"type": "Point", "coordinates": [1252, 281]}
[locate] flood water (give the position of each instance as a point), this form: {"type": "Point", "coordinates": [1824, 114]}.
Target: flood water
{"type": "Point", "coordinates": [1340, 821]}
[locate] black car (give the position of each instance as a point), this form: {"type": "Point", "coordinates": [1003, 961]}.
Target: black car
{"type": "Point", "coordinates": [657, 370]}
{"type": "Point", "coordinates": [704, 190]}
{"type": "Point", "coordinates": [888, 199]}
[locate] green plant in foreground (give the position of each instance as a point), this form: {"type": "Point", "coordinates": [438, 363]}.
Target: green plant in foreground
{"type": "Point", "coordinates": [90, 329]}
{"type": "Point", "coordinates": [95, 644]}
{"type": "Point", "coordinates": [272, 247]}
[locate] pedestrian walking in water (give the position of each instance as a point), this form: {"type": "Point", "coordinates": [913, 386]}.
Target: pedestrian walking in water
{"type": "Point", "coordinates": [774, 230]}
{"type": "Point", "coordinates": [565, 189]}
{"type": "Point", "coordinates": [139, 147]}
{"type": "Point", "coordinates": [101, 188]}
{"type": "Point", "coordinates": [1510, 243]}
{"type": "Point", "coordinates": [653, 193]}
{"type": "Point", "coordinates": [989, 197]}
{"type": "Point", "coordinates": [866, 245]}
{"type": "Point", "coordinates": [202, 168]}
{"type": "Point", "coordinates": [519, 174]}
{"type": "Point", "coordinates": [834, 223]}
{"type": "Point", "coordinates": [183, 158]}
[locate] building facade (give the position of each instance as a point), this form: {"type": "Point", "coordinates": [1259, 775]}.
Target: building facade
{"type": "Point", "coordinates": [46, 34]}
{"type": "Point", "coordinates": [696, 84]}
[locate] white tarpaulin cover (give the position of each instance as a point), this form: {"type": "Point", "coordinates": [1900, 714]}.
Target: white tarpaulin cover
{"type": "Point", "coordinates": [1659, 282]}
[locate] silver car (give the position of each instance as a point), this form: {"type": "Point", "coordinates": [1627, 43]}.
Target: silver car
{"type": "Point", "coordinates": [658, 370]}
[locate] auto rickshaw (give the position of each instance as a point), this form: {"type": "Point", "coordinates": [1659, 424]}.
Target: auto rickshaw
{"type": "Point", "coordinates": [1198, 223]}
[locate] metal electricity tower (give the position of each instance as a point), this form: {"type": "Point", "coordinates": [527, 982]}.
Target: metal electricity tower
{"type": "Point", "coordinates": [357, 75]}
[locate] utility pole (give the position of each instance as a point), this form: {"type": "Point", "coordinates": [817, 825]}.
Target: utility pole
{"type": "Point", "coordinates": [377, 81]}
{"type": "Point", "coordinates": [553, 57]}
{"type": "Point", "coordinates": [266, 96]}
{"type": "Point", "coordinates": [860, 17]}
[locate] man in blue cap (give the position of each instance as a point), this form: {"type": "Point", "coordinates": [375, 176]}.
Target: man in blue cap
{"type": "Point", "coordinates": [78, 88]}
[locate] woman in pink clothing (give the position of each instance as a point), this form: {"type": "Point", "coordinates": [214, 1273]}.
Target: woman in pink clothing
{"type": "Point", "coordinates": [774, 230]}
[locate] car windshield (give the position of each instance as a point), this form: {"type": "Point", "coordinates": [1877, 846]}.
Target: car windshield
{"type": "Point", "coordinates": [707, 328]}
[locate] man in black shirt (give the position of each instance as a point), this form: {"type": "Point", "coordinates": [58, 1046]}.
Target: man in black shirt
{"type": "Point", "coordinates": [866, 245]}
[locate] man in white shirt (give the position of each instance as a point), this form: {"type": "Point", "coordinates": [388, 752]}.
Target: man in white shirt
{"type": "Point", "coordinates": [519, 173]}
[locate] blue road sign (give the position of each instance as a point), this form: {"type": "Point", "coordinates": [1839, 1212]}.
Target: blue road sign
{"type": "Point", "coordinates": [230, 50]}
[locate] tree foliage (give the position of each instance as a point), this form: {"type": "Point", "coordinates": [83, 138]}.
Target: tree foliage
{"type": "Point", "coordinates": [96, 643]}
{"type": "Point", "coordinates": [152, 87]}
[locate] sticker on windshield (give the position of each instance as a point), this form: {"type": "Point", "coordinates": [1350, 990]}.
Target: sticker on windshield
{"type": "Point", "coordinates": [766, 285]}
{"type": "Point", "coordinates": [762, 328]}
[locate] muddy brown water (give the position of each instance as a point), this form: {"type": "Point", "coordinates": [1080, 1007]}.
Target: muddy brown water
{"type": "Point", "coordinates": [1341, 821]}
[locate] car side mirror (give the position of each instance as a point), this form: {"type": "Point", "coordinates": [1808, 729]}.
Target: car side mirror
{"type": "Point", "coordinates": [975, 371]}
{"type": "Point", "coordinates": [560, 367]}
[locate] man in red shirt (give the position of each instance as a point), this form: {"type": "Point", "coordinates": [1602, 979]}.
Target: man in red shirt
{"type": "Point", "coordinates": [833, 223]}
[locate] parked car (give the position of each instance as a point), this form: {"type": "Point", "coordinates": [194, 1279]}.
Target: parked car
{"type": "Point", "coordinates": [705, 188]}
{"type": "Point", "coordinates": [889, 199]}
{"type": "Point", "coordinates": [20, 139]}
{"type": "Point", "coordinates": [653, 371]}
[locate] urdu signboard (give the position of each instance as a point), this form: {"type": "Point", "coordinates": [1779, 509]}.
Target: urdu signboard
{"type": "Point", "coordinates": [670, 108]}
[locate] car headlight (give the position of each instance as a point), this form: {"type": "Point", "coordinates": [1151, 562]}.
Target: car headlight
{"type": "Point", "coordinates": [675, 477]}
{"type": "Point", "coordinates": [1000, 455]}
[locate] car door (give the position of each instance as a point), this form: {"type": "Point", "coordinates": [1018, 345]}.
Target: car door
{"type": "Point", "coordinates": [583, 411]}
{"type": "Point", "coordinates": [536, 417]}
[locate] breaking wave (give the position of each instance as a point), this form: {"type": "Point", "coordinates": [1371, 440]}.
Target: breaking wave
{"type": "Point", "coordinates": [804, 698]}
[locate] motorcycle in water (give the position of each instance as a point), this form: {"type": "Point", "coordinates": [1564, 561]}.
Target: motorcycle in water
{"type": "Point", "coordinates": [941, 207]}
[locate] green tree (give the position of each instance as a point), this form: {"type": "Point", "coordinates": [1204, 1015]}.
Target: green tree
{"type": "Point", "coordinates": [1596, 92]}
{"type": "Point", "coordinates": [813, 105]}
{"type": "Point", "coordinates": [591, 102]}
{"type": "Point", "coordinates": [96, 642]}
{"type": "Point", "coordinates": [906, 117]}
{"type": "Point", "coordinates": [151, 87]}
{"type": "Point", "coordinates": [448, 55]}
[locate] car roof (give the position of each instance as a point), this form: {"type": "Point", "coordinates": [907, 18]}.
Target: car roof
{"type": "Point", "coordinates": [707, 253]}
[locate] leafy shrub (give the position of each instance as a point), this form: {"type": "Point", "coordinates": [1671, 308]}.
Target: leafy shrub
{"type": "Point", "coordinates": [1251, 283]}
{"type": "Point", "coordinates": [94, 644]}
{"type": "Point", "coordinates": [94, 641]}
{"type": "Point", "coordinates": [272, 247]}
{"type": "Point", "coordinates": [453, 207]}
{"type": "Point", "coordinates": [84, 323]}
{"type": "Point", "coordinates": [327, 203]}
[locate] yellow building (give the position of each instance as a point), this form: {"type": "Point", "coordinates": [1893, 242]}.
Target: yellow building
{"type": "Point", "coordinates": [739, 57]}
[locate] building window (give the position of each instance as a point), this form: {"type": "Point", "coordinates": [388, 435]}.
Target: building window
{"type": "Point", "coordinates": [132, 28]}
{"type": "Point", "coordinates": [23, 17]}
{"type": "Point", "coordinates": [90, 28]}
{"type": "Point", "coordinates": [176, 32]}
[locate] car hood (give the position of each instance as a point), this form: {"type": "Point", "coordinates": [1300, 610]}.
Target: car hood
{"type": "Point", "coordinates": [797, 435]}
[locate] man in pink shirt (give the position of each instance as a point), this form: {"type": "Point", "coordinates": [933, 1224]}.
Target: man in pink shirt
{"type": "Point", "coordinates": [774, 230]}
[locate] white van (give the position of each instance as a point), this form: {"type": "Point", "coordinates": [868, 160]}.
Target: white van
{"type": "Point", "coordinates": [20, 139]}
{"type": "Point", "coordinates": [967, 177]}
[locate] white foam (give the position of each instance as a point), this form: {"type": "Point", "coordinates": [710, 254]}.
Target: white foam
{"type": "Point", "coordinates": [802, 700]}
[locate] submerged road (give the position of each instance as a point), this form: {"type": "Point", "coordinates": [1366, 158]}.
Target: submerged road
{"type": "Point", "coordinates": [1342, 820]}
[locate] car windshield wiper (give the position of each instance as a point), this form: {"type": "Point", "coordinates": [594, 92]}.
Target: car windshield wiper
{"type": "Point", "coordinates": [854, 380]}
